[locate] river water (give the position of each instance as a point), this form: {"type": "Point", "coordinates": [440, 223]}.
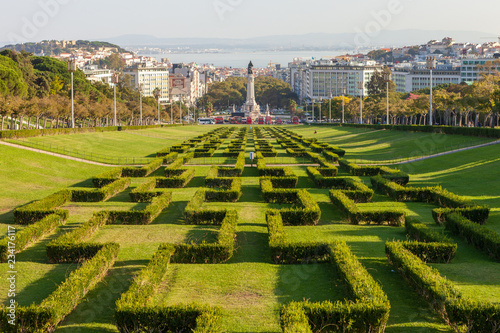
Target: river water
{"type": "Point", "coordinates": [241, 59]}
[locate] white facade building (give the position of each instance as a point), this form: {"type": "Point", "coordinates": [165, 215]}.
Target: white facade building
{"type": "Point", "coordinates": [471, 67]}
{"type": "Point", "coordinates": [324, 78]}
{"type": "Point", "coordinates": [149, 78]}
{"type": "Point", "coordinates": [408, 79]}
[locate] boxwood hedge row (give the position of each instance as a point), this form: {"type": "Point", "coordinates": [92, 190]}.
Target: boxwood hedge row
{"type": "Point", "coordinates": [52, 310]}
{"type": "Point", "coordinates": [35, 211]}
{"type": "Point", "coordinates": [368, 312]}
{"type": "Point", "coordinates": [134, 312]}
{"type": "Point", "coordinates": [100, 194]}
{"type": "Point", "coordinates": [30, 235]}
{"type": "Point", "coordinates": [462, 314]}
{"type": "Point", "coordinates": [393, 217]}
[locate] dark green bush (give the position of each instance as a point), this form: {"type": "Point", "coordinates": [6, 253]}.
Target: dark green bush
{"type": "Point", "coordinates": [31, 234]}
{"type": "Point", "coordinates": [479, 236]}
{"type": "Point", "coordinates": [107, 177]}
{"type": "Point", "coordinates": [35, 211]}
{"type": "Point", "coordinates": [101, 194]}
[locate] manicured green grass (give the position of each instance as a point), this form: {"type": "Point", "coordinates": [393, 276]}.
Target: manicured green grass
{"type": "Point", "coordinates": [249, 288]}
{"type": "Point", "coordinates": [368, 145]}
{"type": "Point", "coordinates": [126, 144]}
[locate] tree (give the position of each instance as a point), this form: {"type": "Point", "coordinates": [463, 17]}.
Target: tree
{"type": "Point", "coordinates": [377, 84]}
{"type": "Point", "coordinates": [11, 78]}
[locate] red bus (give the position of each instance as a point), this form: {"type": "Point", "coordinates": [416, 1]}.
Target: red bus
{"type": "Point", "coordinates": [237, 120]}
{"type": "Point", "coordinates": [295, 120]}
{"type": "Point", "coordinates": [268, 120]}
{"type": "Point", "coordinates": [231, 120]}
{"type": "Point", "coordinates": [279, 121]}
{"type": "Point", "coordinates": [261, 121]}
{"type": "Point", "coordinates": [249, 120]}
{"type": "Point", "coordinates": [219, 120]}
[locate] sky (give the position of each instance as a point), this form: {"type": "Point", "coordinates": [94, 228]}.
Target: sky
{"type": "Point", "coordinates": [36, 20]}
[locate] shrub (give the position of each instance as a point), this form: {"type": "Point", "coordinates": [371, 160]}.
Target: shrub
{"type": "Point", "coordinates": [213, 253]}
{"type": "Point", "coordinates": [71, 246]}
{"type": "Point", "coordinates": [194, 214]}
{"type": "Point", "coordinates": [145, 170]}
{"type": "Point", "coordinates": [176, 181]}
{"type": "Point", "coordinates": [145, 192]}
{"type": "Point", "coordinates": [432, 252]}
{"type": "Point", "coordinates": [107, 177]}
{"type": "Point", "coordinates": [461, 313]}
{"type": "Point", "coordinates": [30, 235]}
{"type": "Point", "coordinates": [142, 217]}
{"type": "Point", "coordinates": [101, 194]}
{"type": "Point", "coordinates": [52, 310]}
{"type": "Point", "coordinates": [37, 210]}
{"type": "Point", "coordinates": [477, 214]}
{"type": "Point", "coordinates": [393, 217]}
{"type": "Point", "coordinates": [480, 237]}
{"type": "Point", "coordinates": [230, 194]}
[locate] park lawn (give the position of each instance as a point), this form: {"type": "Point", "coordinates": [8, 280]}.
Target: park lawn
{"type": "Point", "coordinates": [123, 144]}
{"type": "Point", "coordinates": [381, 146]}
{"type": "Point", "coordinates": [249, 288]}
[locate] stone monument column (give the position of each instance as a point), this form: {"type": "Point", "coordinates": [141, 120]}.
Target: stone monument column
{"type": "Point", "coordinates": [251, 108]}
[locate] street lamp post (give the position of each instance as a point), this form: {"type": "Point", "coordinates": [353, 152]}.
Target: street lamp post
{"type": "Point", "coordinates": [343, 104]}
{"type": "Point", "coordinates": [157, 95]}
{"type": "Point", "coordinates": [313, 118]}
{"type": "Point", "coordinates": [140, 107]}
{"type": "Point", "coordinates": [431, 64]}
{"type": "Point", "coordinates": [387, 78]}
{"type": "Point", "coordinates": [360, 87]}
{"type": "Point", "coordinates": [72, 69]}
{"type": "Point", "coordinates": [115, 82]}
{"type": "Point", "coordinates": [330, 109]}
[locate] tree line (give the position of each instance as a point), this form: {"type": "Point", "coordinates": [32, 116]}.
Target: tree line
{"type": "Point", "coordinates": [476, 104]}
{"type": "Point", "coordinates": [35, 92]}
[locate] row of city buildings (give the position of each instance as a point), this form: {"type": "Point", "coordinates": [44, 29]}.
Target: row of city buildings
{"type": "Point", "coordinates": [455, 63]}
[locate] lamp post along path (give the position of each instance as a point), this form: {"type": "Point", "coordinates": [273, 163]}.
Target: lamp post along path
{"type": "Point", "coordinates": [431, 64]}
{"type": "Point", "coordinates": [72, 69]}
{"type": "Point", "coordinates": [360, 86]}
{"type": "Point", "coordinates": [387, 78]}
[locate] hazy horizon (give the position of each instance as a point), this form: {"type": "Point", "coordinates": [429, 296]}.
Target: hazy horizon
{"type": "Point", "coordinates": [35, 20]}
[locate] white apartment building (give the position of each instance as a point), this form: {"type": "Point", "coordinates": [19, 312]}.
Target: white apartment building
{"type": "Point", "coordinates": [324, 78]}
{"type": "Point", "coordinates": [149, 78]}
{"type": "Point", "coordinates": [471, 67]}
{"type": "Point", "coordinates": [95, 74]}
{"type": "Point", "coordinates": [408, 79]}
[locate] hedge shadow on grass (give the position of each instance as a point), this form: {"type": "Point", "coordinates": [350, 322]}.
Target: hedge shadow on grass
{"type": "Point", "coordinates": [40, 289]}
{"type": "Point", "coordinates": [99, 304]}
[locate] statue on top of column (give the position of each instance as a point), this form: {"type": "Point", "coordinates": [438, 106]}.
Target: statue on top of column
{"type": "Point", "coordinates": [250, 68]}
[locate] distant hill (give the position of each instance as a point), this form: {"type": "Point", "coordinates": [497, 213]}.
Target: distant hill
{"type": "Point", "coordinates": [54, 47]}
{"type": "Point", "coordinates": [327, 41]}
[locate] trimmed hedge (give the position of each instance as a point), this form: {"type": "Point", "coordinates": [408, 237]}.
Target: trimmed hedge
{"type": "Point", "coordinates": [209, 253]}
{"type": "Point", "coordinates": [369, 312]}
{"type": "Point", "coordinates": [52, 310]}
{"type": "Point", "coordinates": [145, 170]}
{"type": "Point", "coordinates": [30, 213]}
{"type": "Point", "coordinates": [393, 217]}
{"type": "Point", "coordinates": [107, 177]}
{"type": "Point", "coordinates": [135, 314]}
{"type": "Point", "coordinates": [194, 214]}
{"type": "Point", "coordinates": [422, 233]}
{"type": "Point", "coordinates": [101, 194]}
{"type": "Point", "coordinates": [477, 214]}
{"type": "Point", "coordinates": [180, 181]}
{"type": "Point", "coordinates": [71, 246]}
{"type": "Point", "coordinates": [391, 174]}
{"type": "Point", "coordinates": [480, 237]}
{"type": "Point", "coordinates": [13, 134]}
{"type": "Point", "coordinates": [145, 192]}
{"type": "Point", "coordinates": [30, 235]}
{"type": "Point", "coordinates": [438, 195]}
{"type": "Point", "coordinates": [142, 217]}
{"type": "Point", "coordinates": [284, 252]}
{"type": "Point", "coordinates": [230, 190]}
{"type": "Point", "coordinates": [307, 212]}
{"type": "Point", "coordinates": [462, 314]}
